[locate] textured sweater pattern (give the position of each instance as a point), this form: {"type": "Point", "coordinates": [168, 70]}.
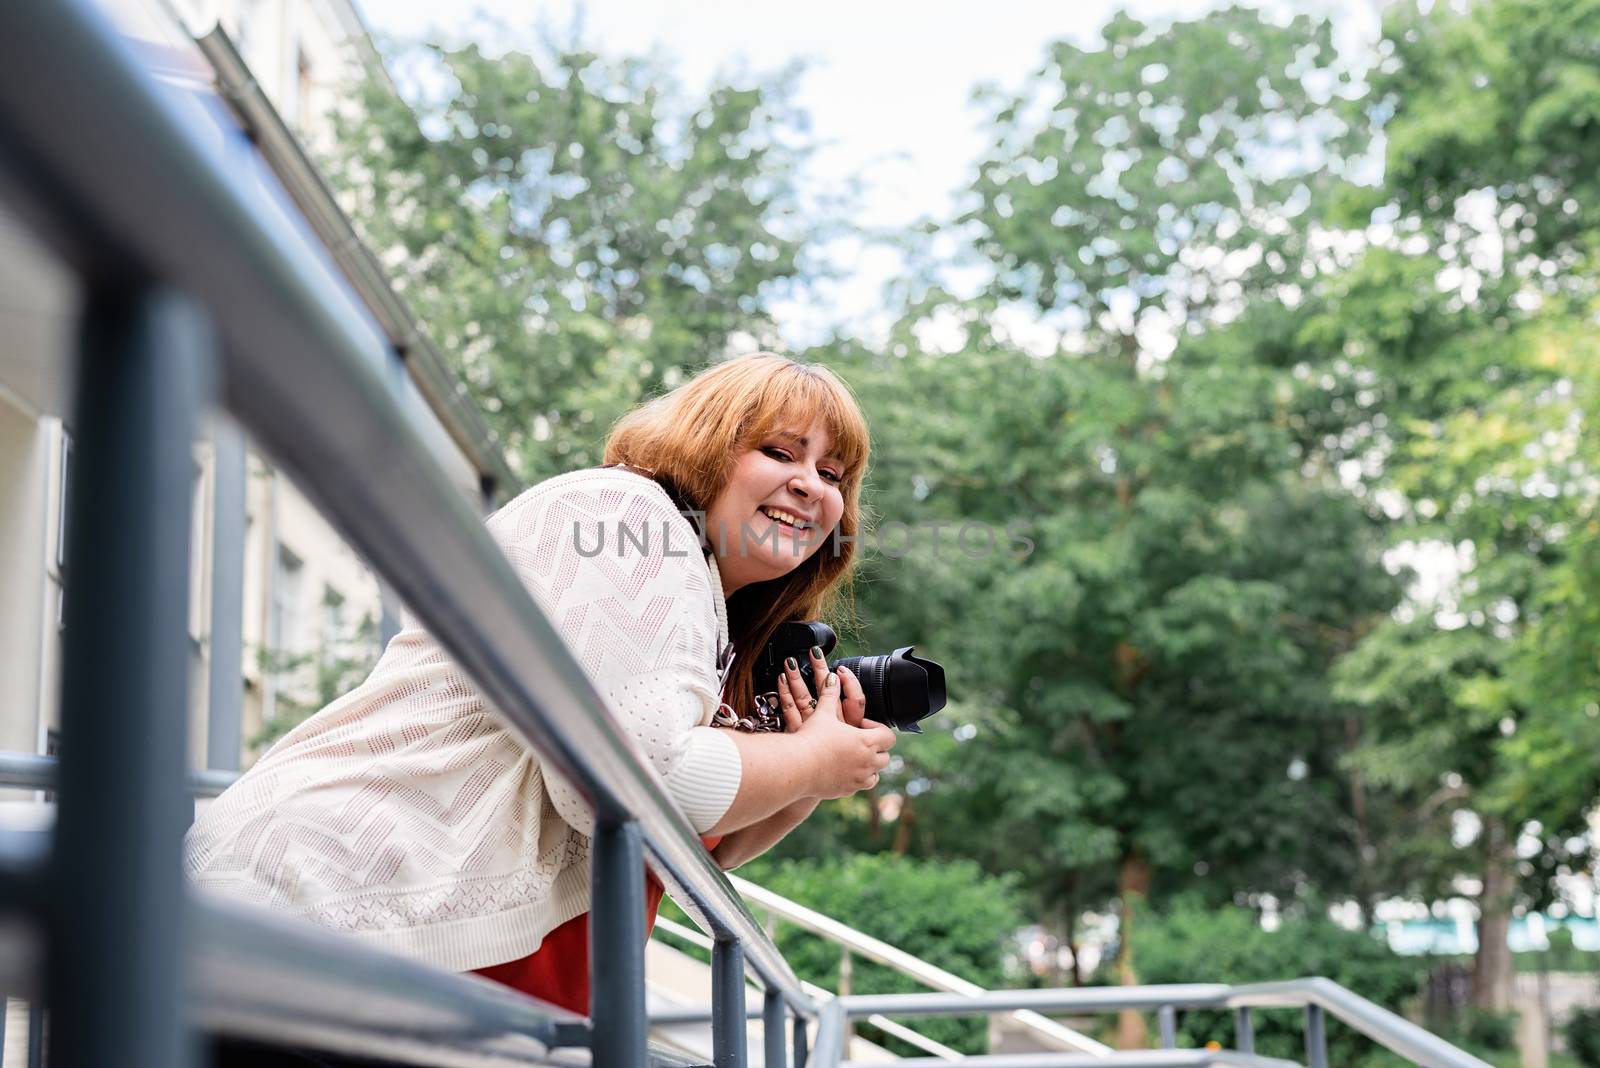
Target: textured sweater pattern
{"type": "Point", "coordinates": [403, 813]}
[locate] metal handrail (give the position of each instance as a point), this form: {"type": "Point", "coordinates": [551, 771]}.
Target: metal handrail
{"type": "Point", "coordinates": [700, 1014]}
{"type": "Point", "coordinates": [1143, 1058]}
{"type": "Point", "coordinates": [905, 963]}
{"type": "Point", "coordinates": [34, 771]}
{"type": "Point", "coordinates": [310, 191]}
{"type": "Point", "coordinates": [1315, 995]}
{"type": "Point", "coordinates": [295, 374]}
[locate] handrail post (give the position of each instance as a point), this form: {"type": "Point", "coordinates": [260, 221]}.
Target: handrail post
{"type": "Point", "coordinates": [772, 1016]}
{"type": "Point", "coordinates": [1168, 1020]}
{"type": "Point", "coordinates": [727, 1004]}
{"type": "Point", "coordinates": [800, 1043]}
{"type": "Point", "coordinates": [1244, 1030]}
{"type": "Point", "coordinates": [619, 1032]}
{"type": "Point", "coordinates": [225, 689]}
{"type": "Point", "coordinates": [846, 970]}
{"type": "Point", "coordinates": [116, 987]}
{"type": "Point", "coordinates": [35, 1035]}
{"type": "Point", "coordinates": [1316, 1037]}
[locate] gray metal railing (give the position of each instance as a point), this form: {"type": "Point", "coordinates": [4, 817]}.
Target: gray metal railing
{"type": "Point", "coordinates": [189, 285]}
{"type": "Point", "coordinates": [190, 295]}
{"type": "Point", "coordinates": [1317, 998]}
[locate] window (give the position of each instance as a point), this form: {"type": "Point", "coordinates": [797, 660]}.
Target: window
{"type": "Point", "coordinates": [61, 501]}
{"type": "Point", "coordinates": [199, 586]}
{"type": "Point", "coordinates": [284, 632]}
{"type": "Point", "coordinates": [332, 618]}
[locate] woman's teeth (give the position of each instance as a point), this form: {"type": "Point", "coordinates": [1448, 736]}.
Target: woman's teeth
{"type": "Point", "coordinates": [783, 518]}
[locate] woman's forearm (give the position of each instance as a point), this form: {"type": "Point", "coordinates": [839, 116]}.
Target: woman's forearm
{"type": "Point", "coordinates": [743, 846]}
{"type": "Point", "coordinates": [777, 771]}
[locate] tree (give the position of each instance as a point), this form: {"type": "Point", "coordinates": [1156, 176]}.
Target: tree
{"type": "Point", "coordinates": [1160, 656]}
{"type": "Point", "coordinates": [576, 234]}
{"type": "Point", "coordinates": [1147, 684]}
{"type": "Point", "coordinates": [1461, 322]}
{"type": "Point", "coordinates": [1166, 177]}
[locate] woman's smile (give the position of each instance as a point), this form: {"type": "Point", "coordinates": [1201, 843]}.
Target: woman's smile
{"type": "Point", "coordinates": [781, 499]}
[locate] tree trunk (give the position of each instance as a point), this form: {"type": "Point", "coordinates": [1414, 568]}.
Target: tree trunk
{"type": "Point", "coordinates": [1133, 887]}
{"type": "Point", "coordinates": [1365, 854]}
{"type": "Point", "coordinates": [1069, 935]}
{"type": "Point", "coordinates": [903, 825]}
{"type": "Point", "coordinates": [1491, 967]}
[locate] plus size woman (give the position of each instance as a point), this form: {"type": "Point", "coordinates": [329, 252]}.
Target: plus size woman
{"type": "Point", "coordinates": [406, 815]}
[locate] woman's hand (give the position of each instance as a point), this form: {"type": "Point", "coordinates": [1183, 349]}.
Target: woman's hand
{"type": "Point", "coordinates": [847, 757]}
{"type": "Point", "coordinates": [796, 702]}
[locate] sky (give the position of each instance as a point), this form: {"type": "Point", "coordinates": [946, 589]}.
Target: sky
{"type": "Point", "coordinates": [887, 88]}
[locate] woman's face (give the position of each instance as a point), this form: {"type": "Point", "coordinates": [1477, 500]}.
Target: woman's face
{"type": "Point", "coordinates": [790, 476]}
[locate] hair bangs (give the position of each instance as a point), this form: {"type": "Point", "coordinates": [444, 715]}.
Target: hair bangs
{"type": "Point", "coordinates": [805, 395]}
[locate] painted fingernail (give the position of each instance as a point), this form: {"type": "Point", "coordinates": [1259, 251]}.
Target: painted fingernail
{"type": "Point", "coordinates": [833, 680]}
{"type": "Point", "coordinates": [816, 651]}
{"type": "Point", "coordinates": [791, 664]}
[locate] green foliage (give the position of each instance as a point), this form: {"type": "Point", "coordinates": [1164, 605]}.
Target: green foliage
{"type": "Point", "coordinates": [575, 232]}
{"type": "Point", "coordinates": [1177, 167]}
{"type": "Point", "coordinates": [1189, 942]}
{"type": "Point", "coordinates": [1503, 98]}
{"type": "Point", "coordinates": [1489, 1030]}
{"type": "Point", "coordinates": [950, 915]}
{"type": "Point", "coordinates": [1583, 1037]}
{"type": "Point", "coordinates": [308, 681]}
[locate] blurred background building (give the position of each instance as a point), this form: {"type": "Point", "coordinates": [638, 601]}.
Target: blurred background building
{"type": "Point", "coordinates": [282, 613]}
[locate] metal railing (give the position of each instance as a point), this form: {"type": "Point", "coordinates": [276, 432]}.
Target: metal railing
{"type": "Point", "coordinates": [1317, 998]}
{"type": "Point", "coordinates": [191, 295]}
{"type": "Point", "coordinates": [850, 941]}
{"type": "Point", "coordinates": [187, 285]}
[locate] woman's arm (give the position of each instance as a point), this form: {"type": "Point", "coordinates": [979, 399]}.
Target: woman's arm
{"type": "Point", "coordinates": [825, 757]}
{"type": "Point", "coordinates": [741, 847]}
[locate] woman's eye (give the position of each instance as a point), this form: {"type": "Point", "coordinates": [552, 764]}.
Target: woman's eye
{"type": "Point", "coordinates": [779, 453]}
{"type": "Point", "coordinates": [831, 477]}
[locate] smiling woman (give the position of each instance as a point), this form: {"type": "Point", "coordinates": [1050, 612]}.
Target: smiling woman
{"type": "Point", "coordinates": [748, 440]}
{"type": "Point", "coordinates": [404, 813]}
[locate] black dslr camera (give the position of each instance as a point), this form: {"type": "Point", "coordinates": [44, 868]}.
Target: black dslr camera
{"type": "Point", "coordinates": [902, 690]}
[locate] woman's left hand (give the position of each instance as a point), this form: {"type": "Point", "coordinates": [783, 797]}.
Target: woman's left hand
{"type": "Point", "coordinates": [795, 699]}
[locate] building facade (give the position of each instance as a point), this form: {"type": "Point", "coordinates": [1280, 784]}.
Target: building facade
{"type": "Point", "coordinates": [282, 612]}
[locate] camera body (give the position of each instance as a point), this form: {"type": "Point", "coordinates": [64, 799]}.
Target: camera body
{"type": "Point", "coordinates": [902, 689]}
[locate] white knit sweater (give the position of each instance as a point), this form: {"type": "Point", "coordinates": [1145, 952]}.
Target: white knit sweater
{"type": "Point", "coordinates": [406, 815]}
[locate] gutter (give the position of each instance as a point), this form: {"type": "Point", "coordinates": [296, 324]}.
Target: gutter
{"type": "Point", "coordinates": [426, 365]}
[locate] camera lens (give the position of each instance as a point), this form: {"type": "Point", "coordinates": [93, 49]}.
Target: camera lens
{"type": "Point", "coordinates": [901, 689]}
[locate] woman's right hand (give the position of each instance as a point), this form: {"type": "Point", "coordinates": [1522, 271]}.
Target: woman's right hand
{"type": "Point", "coordinates": [845, 758]}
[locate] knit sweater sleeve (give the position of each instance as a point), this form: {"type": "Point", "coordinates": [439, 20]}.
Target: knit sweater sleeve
{"type": "Point", "coordinates": [618, 571]}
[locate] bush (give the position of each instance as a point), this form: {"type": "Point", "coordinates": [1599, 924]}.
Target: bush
{"type": "Point", "coordinates": [1583, 1037]}
{"type": "Point", "coordinates": [949, 914]}
{"type": "Point", "coordinates": [1188, 943]}
{"type": "Point", "coordinates": [1493, 1031]}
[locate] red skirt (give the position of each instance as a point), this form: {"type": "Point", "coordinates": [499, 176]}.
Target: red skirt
{"type": "Point", "coordinates": [558, 971]}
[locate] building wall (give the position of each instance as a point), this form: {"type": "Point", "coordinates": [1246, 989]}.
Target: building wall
{"type": "Point", "coordinates": [24, 470]}
{"type": "Point", "coordinates": [295, 565]}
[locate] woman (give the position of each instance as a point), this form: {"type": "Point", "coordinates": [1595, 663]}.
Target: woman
{"type": "Point", "coordinates": [406, 815]}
